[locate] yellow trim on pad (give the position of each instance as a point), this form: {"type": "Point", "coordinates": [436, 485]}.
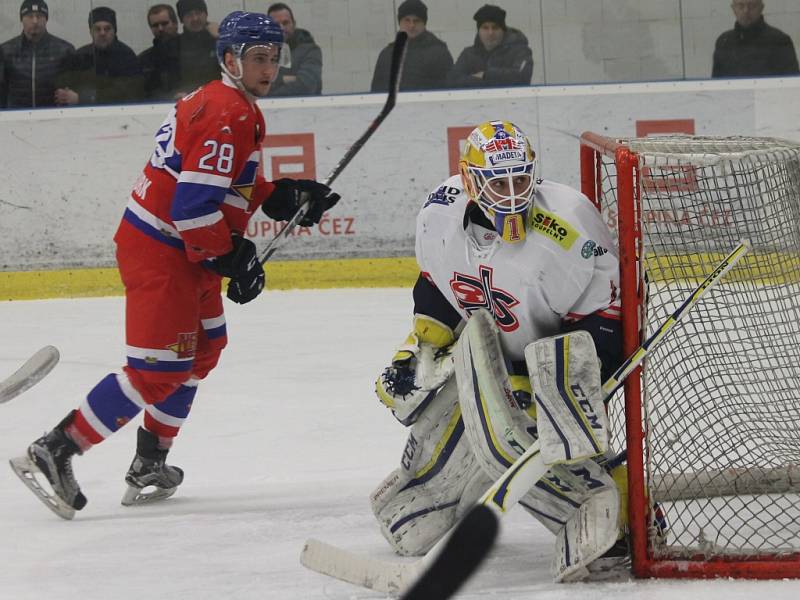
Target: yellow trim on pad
{"type": "Point", "coordinates": [281, 275]}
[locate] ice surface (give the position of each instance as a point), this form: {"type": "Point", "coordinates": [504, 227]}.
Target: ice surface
{"type": "Point", "coordinates": [286, 441]}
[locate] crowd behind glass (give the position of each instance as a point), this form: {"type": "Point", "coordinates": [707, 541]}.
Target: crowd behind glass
{"type": "Point", "coordinates": [40, 69]}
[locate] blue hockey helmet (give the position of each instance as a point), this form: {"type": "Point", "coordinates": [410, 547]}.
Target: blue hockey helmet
{"type": "Point", "coordinates": [241, 29]}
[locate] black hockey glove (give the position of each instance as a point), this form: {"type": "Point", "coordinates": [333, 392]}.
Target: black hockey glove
{"type": "Point", "coordinates": [289, 195]}
{"type": "Point", "coordinates": [247, 287]}
{"type": "Point", "coordinates": [244, 269]}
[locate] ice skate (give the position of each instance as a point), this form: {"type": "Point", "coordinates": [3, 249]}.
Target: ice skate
{"type": "Point", "coordinates": [613, 565]}
{"type": "Point", "coordinates": [149, 479]}
{"type": "Point", "coordinates": [51, 456]}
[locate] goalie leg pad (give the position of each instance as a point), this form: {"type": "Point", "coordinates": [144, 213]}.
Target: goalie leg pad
{"type": "Point", "coordinates": [498, 429]}
{"type": "Point", "coordinates": [557, 496]}
{"type": "Point", "coordinates": [419, 502]}
{"type": "Point", "coordinates": [565, 377]}
{"type": "Point", "coordinates": [592, 529]}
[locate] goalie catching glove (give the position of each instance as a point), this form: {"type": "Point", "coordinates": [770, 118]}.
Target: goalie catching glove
{"type": "Point", "coordinates": [419, 368]}
{"type": "Point", "coordinates": [290, 194]}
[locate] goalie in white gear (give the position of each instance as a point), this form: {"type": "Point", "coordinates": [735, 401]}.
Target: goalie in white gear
{"type": "Point", "coordinates": [537, 256]}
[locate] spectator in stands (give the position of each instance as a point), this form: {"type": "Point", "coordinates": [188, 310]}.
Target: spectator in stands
{"type": "Point", "coordinates": [303, 77]}
{"type": "Point", "coordinates": [103, 72]}
{"type": "Point", "coordinates": [428, 61]}
{"type": "Point", "coordinates": [196, 47]}
{"type": "Point", "coordinates": [31, 61]}
{"type": "Point", "coordinates": [753, 48]}
{"type": "Point", "coordinates": [499, 56]}
{"type": "Point", "coordinates": [160, 68]}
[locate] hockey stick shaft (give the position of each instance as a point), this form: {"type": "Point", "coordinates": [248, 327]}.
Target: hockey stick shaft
{"type": "Point", "coordinates": [29, 374]}
{"type": "Point", "coordinates": [633, 361]}
{"type": "Point", "coordinates": [508, 489]}
{"type": "Point", "coordinates": [398, 54]}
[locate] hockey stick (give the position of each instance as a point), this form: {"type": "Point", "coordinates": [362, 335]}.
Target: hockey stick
{"type": "Point", "coordinates": [398, 54]}
{"type": "Point", "coordinates": [392, 577]}
{"type": "Point", "coordinates": [29, 374]}
{"type": "Point", "coordinates": [460, 556]}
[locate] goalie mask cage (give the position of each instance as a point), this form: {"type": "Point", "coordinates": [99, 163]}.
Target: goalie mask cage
{"type": "Point", "coordinates": [713, 416]}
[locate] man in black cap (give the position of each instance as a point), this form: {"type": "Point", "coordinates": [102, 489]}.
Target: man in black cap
{"type": "Point", "coordinates": [427, 61]}
{"type": "Point", "coordinates": [30, 62]}
{"type": "Point", "coordinates": [194, 49]}
{"type": "Point", "coordinates": [753, 48]}
{"type": "Point", "coordinates": [500, 56]}
{"type": "Point", "coordinates": [103, 72]}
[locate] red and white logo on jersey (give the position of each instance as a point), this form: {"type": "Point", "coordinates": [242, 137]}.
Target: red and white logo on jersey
{"type": "Point", "coordinates": [473, 293]}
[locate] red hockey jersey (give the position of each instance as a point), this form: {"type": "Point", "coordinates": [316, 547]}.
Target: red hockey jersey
{"type": "Point", "coordinates": [204, 178]}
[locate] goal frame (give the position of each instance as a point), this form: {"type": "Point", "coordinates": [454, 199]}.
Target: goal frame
{"type": "Point", "coordinates": [593, 147]}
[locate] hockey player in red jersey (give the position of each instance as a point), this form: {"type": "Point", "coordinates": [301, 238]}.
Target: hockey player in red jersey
{"type": "Point", "coordinates": [181, 232]}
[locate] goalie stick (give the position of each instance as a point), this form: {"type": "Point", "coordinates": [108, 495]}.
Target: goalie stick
{"type": "Point", "coordinates": [398, 54]}
{"type": "Point", "coordinates": [513, 484]}
{"type": "Point", "coordinates": [29, 374]}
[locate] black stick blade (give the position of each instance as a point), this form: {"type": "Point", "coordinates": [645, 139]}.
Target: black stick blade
{"type": "Point", "coordinates": [468, 545]}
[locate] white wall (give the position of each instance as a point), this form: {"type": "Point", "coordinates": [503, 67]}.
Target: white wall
{"type": "Point", "coordinates": [68, 173]}
{"type": "Point", "coordinates": [573, 41]}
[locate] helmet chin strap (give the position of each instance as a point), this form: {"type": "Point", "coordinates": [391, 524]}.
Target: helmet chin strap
{"type": "Point", "coordinates": [236, 79]}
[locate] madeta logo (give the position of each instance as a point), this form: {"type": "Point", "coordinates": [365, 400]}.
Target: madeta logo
{"type": "Point", "coordinates": [473, 293]}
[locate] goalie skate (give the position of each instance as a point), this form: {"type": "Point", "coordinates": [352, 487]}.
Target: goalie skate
{"type": "Point", "coordinates": [614, 565]}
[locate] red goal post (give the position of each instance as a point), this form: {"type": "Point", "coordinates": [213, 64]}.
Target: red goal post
{"type": "Point", "coordinates": [711, 422]}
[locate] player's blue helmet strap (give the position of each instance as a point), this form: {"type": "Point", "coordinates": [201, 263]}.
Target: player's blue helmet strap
{"type": "Point", "coordinates": [241, 29]}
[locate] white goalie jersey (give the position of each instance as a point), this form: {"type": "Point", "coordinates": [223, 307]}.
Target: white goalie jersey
{"type": "Point", "coordinates": [565, 269]}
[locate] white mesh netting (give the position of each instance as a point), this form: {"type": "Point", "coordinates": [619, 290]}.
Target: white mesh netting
{"type": "Point", "coordinates": [722, 393]}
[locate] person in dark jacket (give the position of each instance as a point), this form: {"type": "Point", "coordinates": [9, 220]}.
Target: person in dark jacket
{"type": "Point", "coordinates": [304, 75]}
{"type": "Point", "coordinates": [103, 72]}
{"type": "Point", "coordinates": [160, 68]}
{"type": "Point", "coordinates": [181, 63]}
{"type": "Point", "coordinates": [499, 57]}
{"type": "Point", "coordinates": [31, 61]}
{"type": "Point", "coordinates": [753, 48]}
{"type": "Point", "coordinates": [195, 48]}
{"type": "Point", "coordinates": [427, 62]}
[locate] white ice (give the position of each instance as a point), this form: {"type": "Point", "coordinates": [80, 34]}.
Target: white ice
{"type": "Point", "coordinates": [286, 440]}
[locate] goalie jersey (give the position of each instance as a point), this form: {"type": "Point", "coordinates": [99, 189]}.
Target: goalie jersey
{"type": "Point", "coordinates": [565, 270]}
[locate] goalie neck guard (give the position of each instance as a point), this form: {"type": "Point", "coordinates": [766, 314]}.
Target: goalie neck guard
{"type": "Point", "coordinates": [498, 169]}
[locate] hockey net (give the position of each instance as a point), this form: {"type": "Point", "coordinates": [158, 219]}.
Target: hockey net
{"type": "Point", "coordinates": [713, 421]}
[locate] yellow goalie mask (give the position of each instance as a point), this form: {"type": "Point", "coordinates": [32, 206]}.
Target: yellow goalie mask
{"type": "Point", "coordinates": [498, 170]}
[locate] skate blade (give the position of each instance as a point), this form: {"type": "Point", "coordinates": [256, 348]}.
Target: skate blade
{"type": "Point", "coordinates": [26, 470]}
{"type": "Point", "coordinates": [609, 569]}
{"type": "Point", "coordinates": [137, 496]}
